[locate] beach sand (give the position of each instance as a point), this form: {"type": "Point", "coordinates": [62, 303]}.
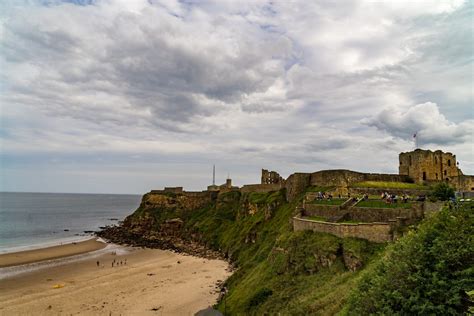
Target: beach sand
{"type": "Point", "coordinates": [153, 282]}
{"type": "Point", "coordinates": [36, 255]}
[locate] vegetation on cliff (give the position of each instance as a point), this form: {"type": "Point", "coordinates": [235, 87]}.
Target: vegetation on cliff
{"type": "Point", "coordinates": [301, 273]}
{"type": "Point", "coordinates": [427, 272]}
{"type": "Point", "coordinates": [278, 270]}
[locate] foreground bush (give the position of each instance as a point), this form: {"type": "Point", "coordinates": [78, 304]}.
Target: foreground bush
{"type": "Point", "coordinates": [427, 272]}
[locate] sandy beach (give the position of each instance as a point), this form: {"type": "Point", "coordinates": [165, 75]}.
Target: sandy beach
{"type": "Point", "coordinates": [37, 255]}
{"type": "Point", "coordinates": [151, 282]}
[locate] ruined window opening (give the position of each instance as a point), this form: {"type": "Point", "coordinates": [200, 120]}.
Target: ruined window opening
{"type": "Point", "coordinates": [409, 160]}
{"type": "Point", "coordinates": [436, 176]}
{"type": "Point", "coordinates": [472, 189]}
{"type": "Point", "coordinates": [449, 162]}
{"type": "Point", "coordinates": [424, 175]}
{"type": "Point", "coordinates": [445, 172]}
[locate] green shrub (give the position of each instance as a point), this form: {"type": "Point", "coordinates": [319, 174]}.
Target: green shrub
{"type": "Point", "coordinates": [427, 272]}
{"type": "Point", "coordinates": [442, 192]}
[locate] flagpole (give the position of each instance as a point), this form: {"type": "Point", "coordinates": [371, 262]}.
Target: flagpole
{"type": "Point", "coordinates": [416, 139]}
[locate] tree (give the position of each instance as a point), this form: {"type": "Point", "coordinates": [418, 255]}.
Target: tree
{"type": "Point", "coordinates": [442, 191]}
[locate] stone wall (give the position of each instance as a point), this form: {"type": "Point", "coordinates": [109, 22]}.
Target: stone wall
{"type": "Point", "coordinates": [261, 188]}
{"type": "Point", "coordinates": [429, 208]}
{"type": "Point", "coordinates": [175, 190]}
{"type": "Point", "coordinates": [369, 214]}
{"type": "Point", "coordinates": [344, 178]}
{"type": "Point", "coordinates": [375, 232]}
{"type": "Point", "coordinates": [364, 214]}
{"type": "Point", "coordinates": [463, 183]}
{"type": "Point", "coordinates": [426, 165]}
{"type": "Point", "coordinates": [185, 200]}
{"type": "Point", "coordinates": [296, 184]}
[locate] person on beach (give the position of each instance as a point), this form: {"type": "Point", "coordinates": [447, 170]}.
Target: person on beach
{"type": "Point", "coordinates": [98, 263]}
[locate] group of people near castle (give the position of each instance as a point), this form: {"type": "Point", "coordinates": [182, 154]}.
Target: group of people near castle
{"type": "Point", "coordinates": [393, 198]}
{"type": "Point", "coordinates": [324, 196]}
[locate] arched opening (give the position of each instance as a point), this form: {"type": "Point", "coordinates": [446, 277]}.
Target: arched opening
{"type": "Point", "coordinates": [436, 176]}
{"type": "Point", "coordinates": [424, 175]}
{"type": "Point", "coordinates": [449, 162]}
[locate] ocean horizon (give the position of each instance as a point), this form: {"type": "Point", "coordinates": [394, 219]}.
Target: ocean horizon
{"type": "Point", "coordinates": [31, 220]}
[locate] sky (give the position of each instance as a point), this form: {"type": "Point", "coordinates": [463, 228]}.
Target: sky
{"type": "Point", "coordinates": [104, 96]}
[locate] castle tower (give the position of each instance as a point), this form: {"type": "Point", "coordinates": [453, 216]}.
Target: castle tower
{"type": "Point", "coordinates": [426, 165]}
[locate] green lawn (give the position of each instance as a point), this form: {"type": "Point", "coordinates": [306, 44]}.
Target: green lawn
{"type": "Point", "coordinates": [389, 185]}
{"type": "Point", "coordinates": [328, 202]}
{"type": "Point", "coordinates": [382, 204]}
{"type": "Point", "coordinates": [316, 218]}
{"type": "Point", "coordinates": [320, 188]}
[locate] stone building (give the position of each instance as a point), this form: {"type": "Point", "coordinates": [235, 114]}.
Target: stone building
{"type": "Point", "coordinates": [427, 166]}
{"type": "Point", "coordinates": [271, 177]}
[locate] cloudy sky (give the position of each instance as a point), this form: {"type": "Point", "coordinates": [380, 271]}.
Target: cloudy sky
{"type": "Point", "coordinates": [129, 95]}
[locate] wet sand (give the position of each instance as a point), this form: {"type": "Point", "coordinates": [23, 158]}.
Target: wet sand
{"type": "Point", "coordinates": [60, 251]}
{"type": "Point", "coordinates": [153, 282]}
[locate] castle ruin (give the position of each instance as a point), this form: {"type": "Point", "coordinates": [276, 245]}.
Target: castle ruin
{"type": "Point", "coordinates": [426, 166]}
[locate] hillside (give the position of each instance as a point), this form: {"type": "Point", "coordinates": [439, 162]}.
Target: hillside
{"type": "Point", "coordinates": [278, 270]}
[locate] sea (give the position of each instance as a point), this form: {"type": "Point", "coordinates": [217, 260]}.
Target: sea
{"type": "Point", "coordinates": [37, 220]}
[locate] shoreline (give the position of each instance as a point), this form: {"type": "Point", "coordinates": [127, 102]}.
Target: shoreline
{"type": "Point", "coordinates": [12, 259]}
{"type": "Point", "coordinates": [141, 282]}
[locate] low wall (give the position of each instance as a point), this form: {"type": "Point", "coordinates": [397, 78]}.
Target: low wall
{"type": "Point", "coordinates": [375, 232]}
{"type": "Point", "coordinates": [364, 214]}
{"type": "Point", "coordinates": [323, 210]}
{"type": "Point", "coordinates": [261, 188]}
{"type": "Point", "coordinates": [369, 214]}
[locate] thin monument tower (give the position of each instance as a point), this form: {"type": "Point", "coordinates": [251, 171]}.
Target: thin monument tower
{"type": "Point", "coordinates": [213, 174]}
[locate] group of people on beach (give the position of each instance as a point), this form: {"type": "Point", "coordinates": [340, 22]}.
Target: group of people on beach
{"type": "Point", "coordinates": [115, 263]}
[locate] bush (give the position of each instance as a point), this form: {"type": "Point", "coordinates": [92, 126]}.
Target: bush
{"type": "Point", "coordinates": [442, 192]}
{"type": "Point", "coordinates": [428, 272]}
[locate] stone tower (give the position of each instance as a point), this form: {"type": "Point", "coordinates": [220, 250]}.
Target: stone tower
{"type": "Point", "coordinates": [426, 165]}
{"type": "Point", "coordinates": [271, 177]}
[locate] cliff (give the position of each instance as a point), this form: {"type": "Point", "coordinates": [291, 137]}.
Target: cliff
{"type": "Point", "coordinates": [278, 270]}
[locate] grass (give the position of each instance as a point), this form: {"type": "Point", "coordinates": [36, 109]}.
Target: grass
{"type": "Point", "coordinates": [328, 202]}
{"type": "Point", "coordinates": [382, 204]}
{"type": "Point", "coordinates": [316, 218]}
{"type": "Point", "coordinates": [350, 221]}
{"type": "Point", "coordinates": [390, 185]}
{"type": "Point", "coordinates": [320, 188]}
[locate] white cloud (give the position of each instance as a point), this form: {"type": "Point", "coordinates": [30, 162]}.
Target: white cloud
{"type": "Point", "coordinates": [431, 126]}
{"type": "Point", "coordinates": [247, 84]}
